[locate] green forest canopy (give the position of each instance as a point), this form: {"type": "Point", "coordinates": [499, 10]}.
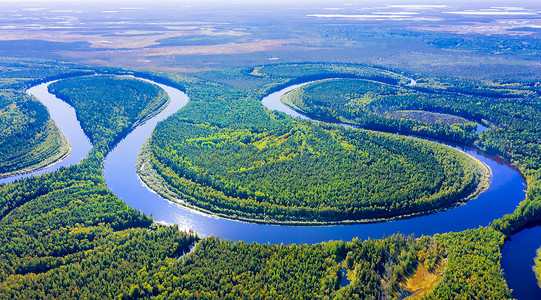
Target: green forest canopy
{"type": "Point", "coordinates": [109, 106]}
{"type": "Point", "coordinates": [65, 235]}
{"type": "Point", "coordinates": [271, 169]}
{"type": "Point", "coordinates": [303, 173]}
{"type": "Point", "coordinates": [381, 106]}
{"type": "Point", "coordinates": [29, 139]}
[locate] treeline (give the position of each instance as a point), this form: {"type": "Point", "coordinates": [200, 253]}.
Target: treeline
{"type": "Point", "coordinates": [65, 235]}
{"type": "Point", "coordinates": [473, 266]}
{"type": "Point", "coordinates": [377, 106]}
{"type": "Point", "coordinates": [28, 138]}
{"type": "Point", "coordinates": [502, 44]}
{"type": "Point", "coordinates": [512, 108]}
{"type": "Point", "coordinates": [109, 106]}
{"type": "Point", "coordinates": [299, 172]}
{"type": "Point", "coordinates": [21, 73]}
{"type": "Point", "coordinates": [227, 97]}
{"type": "Point", "coordinates": [537, 266]}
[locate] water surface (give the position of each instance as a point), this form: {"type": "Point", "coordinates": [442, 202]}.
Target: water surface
{"type": "Point", "coordinates": [505, 192]}
{"type": "Point", "coordinates": [66, 120]}
{"type": "Point", "coordinates": [517, 262]}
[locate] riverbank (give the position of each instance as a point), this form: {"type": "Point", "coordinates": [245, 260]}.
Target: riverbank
{"type": "Point", "coordinates": [63, 152]}
{"type": "Point", "coordinates": [501, 198]}
{"type": "Point", "coordinates": [155, 182]}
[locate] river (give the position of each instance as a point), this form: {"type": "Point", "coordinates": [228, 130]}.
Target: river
{"type": "Point", "coordinates": [505, 192]}
{"type": "Point", "coordinates": [64, 117]}
{"type": "Point", "coordinates": [121, 177]}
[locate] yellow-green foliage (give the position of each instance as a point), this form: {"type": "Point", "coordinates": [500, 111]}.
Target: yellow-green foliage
{"type": "Point", "coordinates": [302, 172]}
{"type": "Point", "coordinates": [537, 266]}
{"type": "Point", "coordinates": [473, 266]}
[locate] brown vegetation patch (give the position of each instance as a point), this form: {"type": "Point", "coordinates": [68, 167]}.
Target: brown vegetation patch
{"type": "Point", "coordinates": [423, 281]}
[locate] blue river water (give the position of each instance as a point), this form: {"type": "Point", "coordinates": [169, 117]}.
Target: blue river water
{"type": "Point", "coordinates": [504, 194]}
{"type": "Point", "coordinates": [517, 263]}
{"type": "Point", "coordinates": [64, 117]}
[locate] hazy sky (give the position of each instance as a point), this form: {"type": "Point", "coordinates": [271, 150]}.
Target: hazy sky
{"type": "Point", "coordinates": [344, 2]}
{"type": "Point", "coordinates": [530, 3]}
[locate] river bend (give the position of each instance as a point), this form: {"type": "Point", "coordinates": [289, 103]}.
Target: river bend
{"type": "Point", "coordinates": [505, 192]}
{"type": "Point", "coordinates": [121, 177]}
{"type": "Point", "coordinates": [64, 117]}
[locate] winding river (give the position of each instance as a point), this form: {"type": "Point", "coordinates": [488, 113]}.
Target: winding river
{"type": "Point", "coordinates": [64, 116]}
{"type": "Point", "coordinates": [505, 192]}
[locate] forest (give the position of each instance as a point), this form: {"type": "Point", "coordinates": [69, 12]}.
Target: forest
{"type": "Point", "coordinates": [29, 139]}
{"type": "Point", "coordinates": [434, 72]}
{"type": "Point", "coordinates": [65, 235]}
{"type": "Point", "coordinates": [383, 107]}
{"type": "Point", "coordinates": [513, 110]}
{"type": "Point", "coordinates": [225, 155]}
{"type": "Point", "coordinates": [108, 107]}
{"type": "Point", "coordinates": [302, 173]}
